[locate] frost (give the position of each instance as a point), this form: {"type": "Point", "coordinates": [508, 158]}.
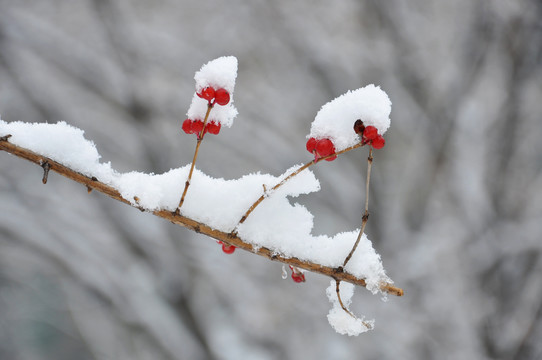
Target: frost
{"type": "Point", "coordinates": [343, 322]}
{"type": "Point", "coordinates": [335, 120]}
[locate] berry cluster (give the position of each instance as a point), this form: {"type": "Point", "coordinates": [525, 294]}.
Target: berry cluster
{"type": "Point", "coordinates": [297, 275]}
{"type": "Point", "coordinates": [321, 148]}
{"type": "Point", "coordinates": [220, 96]}
{"type": "Point", "coordinates": [195, 126]}
{"type": "Point", "coordinates": [369, 135]}
{"type": "Point", "coordinates": [228, 249]}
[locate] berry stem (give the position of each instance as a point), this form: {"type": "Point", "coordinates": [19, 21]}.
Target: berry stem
{"type": "Point", "coordinates": [283, 181]}
{"type": "Point", "coordinates": [365, 216]}
{"type": "Point", "coordinates": [200, 139]}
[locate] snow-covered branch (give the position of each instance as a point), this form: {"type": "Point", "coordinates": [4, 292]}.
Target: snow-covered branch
{"type": "Point", "coordinates": [92, 183]}
{"type": "Point", "coordinates": [219, 208]}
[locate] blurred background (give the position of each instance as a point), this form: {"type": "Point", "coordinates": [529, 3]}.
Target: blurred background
{"type": "Point", "coordinates": [456, 194]}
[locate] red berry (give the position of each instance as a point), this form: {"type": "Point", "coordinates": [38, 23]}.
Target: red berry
{"type": "Point", "coordinates": [228, 249]}
{"type": "Point", "coordinates": [325, 147]}
{"type": "Point", "coordinates": [222, 96]}
{"type": "Point", "coordinates": [208, 94]}
{"type": "Point", "coordinates": [311, 144]}
{"type": "Point", "coordinates": [297, 276]}
{"type": "Point", "coordinates": [359, 127]}
{"type": "Point", "coordinates": [370, 133]}
{"type": "Point", "coordinates": [187, 126]}
{"type": "Point", "coordinates": [197, 126]}
{"type": "Point", "coordinates": [378, 142]}
{"type": "Point", "coordinates": [213, 127]}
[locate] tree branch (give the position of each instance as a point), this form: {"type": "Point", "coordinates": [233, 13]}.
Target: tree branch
{"type": "Point", "coordinates": [92, 183]}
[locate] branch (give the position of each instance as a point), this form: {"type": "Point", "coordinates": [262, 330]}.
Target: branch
{"type": "Point", "coordinates": [93, 184]}
{"type": "Point", "coordinates": [283, 181]}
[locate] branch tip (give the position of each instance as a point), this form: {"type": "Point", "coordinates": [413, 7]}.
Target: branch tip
{"type": "Point", "coordinates": [5, 137]}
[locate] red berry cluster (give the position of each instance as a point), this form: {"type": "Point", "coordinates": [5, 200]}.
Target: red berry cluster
{"type": "Point", "coordinates": [195, 127]}
{"type": "Point", "coordinates": [220, 96]}
{"type": "Point", "coordinates": [369, 135]}
{"type": "Point", "coordinates": [228, 249]}
{"type": "Point", "coordinates": [321, 148]}
{"type": "Point", "coordinates": [297, 275]}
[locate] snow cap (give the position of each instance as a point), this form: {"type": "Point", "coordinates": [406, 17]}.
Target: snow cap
{"type": "Point", "coordinates": [336, 119]}
{"type": "Point", "coordinates": [217, 73]}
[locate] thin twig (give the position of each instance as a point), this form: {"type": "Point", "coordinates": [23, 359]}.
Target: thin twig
{"type": "Point", "coordinates": [283, 181]}
{"type": "Point", "coordinates": [46, 167]}
{"type": "Point", "coordinates": [365, 216]}
{"type": "Point", "coordinates": [92, 183]}
{"type": "Point", "coordinates": [200, 139]}
{"type": "Point", "coordinates": [338, 290]}
{"type": "Point", "coordinates": [368, 325]}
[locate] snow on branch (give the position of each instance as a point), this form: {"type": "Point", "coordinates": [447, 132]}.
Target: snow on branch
{"type": "Point", "coordinates": [253, 212]}
{"type": "Point", "coordinates": [92, 183]}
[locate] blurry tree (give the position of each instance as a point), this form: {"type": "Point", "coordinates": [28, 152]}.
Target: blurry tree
{"type": "Point", "coordinates": [456, 219]}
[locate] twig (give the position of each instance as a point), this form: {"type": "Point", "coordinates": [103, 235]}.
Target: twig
{"type": "Point", "coordinates": [338, 291]}
{"type": "Point", "coordinates": [368, 325]}
{"type": "Point", "coordinates": [283, 181]}
{"type": "Point", "coordinates": [365, 216]}
{"type": "Point", "coordinates": [93, 183]}
{"type": "Point", "coordinates": [46, 167]}
{"type": "Point", "coordinates": [200, 139]}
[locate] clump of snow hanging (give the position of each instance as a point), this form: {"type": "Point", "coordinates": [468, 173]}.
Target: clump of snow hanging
{"type": "Point", "coordinates": [336, 119]}
{"type": "Point", "coordinates": [218, 73]}
{"type": "Point", "coordinates": [343, 322]}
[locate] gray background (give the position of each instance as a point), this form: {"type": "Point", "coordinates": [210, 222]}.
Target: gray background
{"type": "Point", "coordinates": [455, 199]}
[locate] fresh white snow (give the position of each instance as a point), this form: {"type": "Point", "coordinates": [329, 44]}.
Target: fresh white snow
{"type": "Point", "coordinates": [336, 119]}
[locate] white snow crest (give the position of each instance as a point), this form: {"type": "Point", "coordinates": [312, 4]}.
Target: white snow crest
{"type": "Point", "coordinates": [218, 73]}
{"type": "Point", "coordinates": [335, 120]}
{"type": "Point", "coordinates": [61, 142]}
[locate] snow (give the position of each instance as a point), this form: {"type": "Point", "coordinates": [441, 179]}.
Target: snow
{"type": "Point", "coordinates": [217, 73]}
{"type": "Point", "coordinates": [335, 120]}
{"type": "Point", "coordinates": [343, 322]}
{"type": "Point", "coordinates": [61, 142]}
{"type": "Point", "coordinates": [276, 224]}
